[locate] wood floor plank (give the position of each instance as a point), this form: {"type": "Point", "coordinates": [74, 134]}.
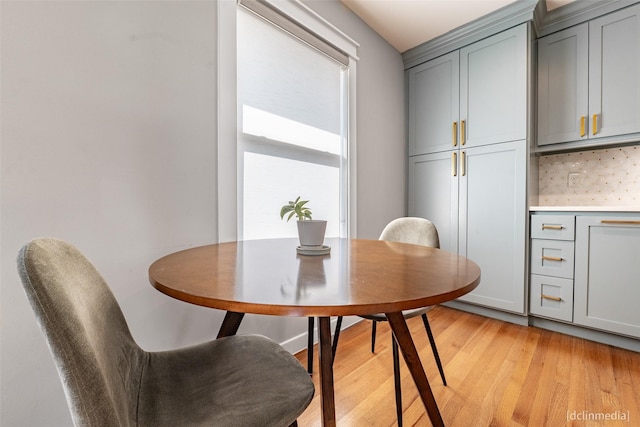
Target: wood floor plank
{"type": "Point", "coordinates": [498, 374]}
{"type": "Point", "coordinates": [526, 344]}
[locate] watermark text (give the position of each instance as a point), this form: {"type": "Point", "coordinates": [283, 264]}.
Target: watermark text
{"type": "Point", "coordinates": [598, 416]}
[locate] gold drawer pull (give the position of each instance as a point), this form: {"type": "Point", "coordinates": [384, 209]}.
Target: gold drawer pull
{"type": "Point", "coordinates": [595, 124]}
{"type": "Point", "coordinates": [582, 120]}
{"type": "Point", "coordinates": [620, 221]}
{"type": "Point", "coordinates": [551, 227]}
{"type": "Point", "coordinates": [552, 298]}
{"type": "Point", "coordinates": [552, 258]}
{"type": "Point", "coordinates": [454, 131]}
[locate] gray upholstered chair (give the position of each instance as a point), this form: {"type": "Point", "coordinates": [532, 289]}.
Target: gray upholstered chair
{"type": "Point", "coordinates": [110, 381]}
{"type": "Point", "coordinates": [417, 231]}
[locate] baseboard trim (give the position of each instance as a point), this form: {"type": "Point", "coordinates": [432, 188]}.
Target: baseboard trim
{"type": "Point", "coordinates": [518, 319]}
{"type": "Point", "coordinates": [601, 337]}
{"type": "Point", "coordinates": [299, 342]}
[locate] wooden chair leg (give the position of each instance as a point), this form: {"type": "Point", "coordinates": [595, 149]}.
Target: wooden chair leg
{"type": "Point", "coordinates": [396, 378]}
{"type": "Point", "coordinates": [374, 324]}
{"type": "Point", "coordinates": [334, 346]}
{"type": "Point", "coordinates": [433, 347]}
{"type": "Point", "coordinates": [336, 336]}
{"type": "Point", "coordinates": [310, 346]}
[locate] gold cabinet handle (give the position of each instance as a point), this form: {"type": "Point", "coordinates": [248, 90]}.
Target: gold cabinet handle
{"type": "Point", "coordinates": [552, 298]}
{"type": "Point", "coordinates": [595, 124]}
{"type": "Point", "coordinates": [454, 164]}
{"type": "Point", "coordinates": [463, 166]}
{"type": "Point", "coordinates": [551, 227]}
{"type": "Point", "coordinates": [462, 132]}
{"type": "Point", "coordinates": [621, 222]}
{"type": "Point", "coordinates": [582, 120]}
{"type": "Point", "coordinates": [552, 258]}
{"type": "Point", "coordinates": [454, 140]}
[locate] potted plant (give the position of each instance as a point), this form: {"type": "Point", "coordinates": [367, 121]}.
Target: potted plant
{"type": "Point", "coordinates": [310, 231]}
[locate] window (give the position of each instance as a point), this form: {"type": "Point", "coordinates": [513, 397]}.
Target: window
{"type": "Point", "coordinates": [292, 128]}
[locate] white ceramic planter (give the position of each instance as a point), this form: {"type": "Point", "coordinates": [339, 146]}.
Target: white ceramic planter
{"type": "Point", "coordinates": [311, 232]}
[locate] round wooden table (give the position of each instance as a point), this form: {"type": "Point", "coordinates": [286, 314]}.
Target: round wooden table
{"type": "Point", "coordinates": [357, 277]}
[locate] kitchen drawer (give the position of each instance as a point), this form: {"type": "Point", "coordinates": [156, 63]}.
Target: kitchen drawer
{"type": "Point", "coordinates": [560, 227]}
{"type": "Point", "coordinates": [552, 257]}
{"type": "Point", "coordinates": [552, 297]}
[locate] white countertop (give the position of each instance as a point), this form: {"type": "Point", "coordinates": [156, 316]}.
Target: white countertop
{"type": "Point", "coordinates": [584, 208]}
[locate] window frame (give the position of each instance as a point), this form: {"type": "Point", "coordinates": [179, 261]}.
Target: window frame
{"type": "Point", "coordinates": [229, 186]}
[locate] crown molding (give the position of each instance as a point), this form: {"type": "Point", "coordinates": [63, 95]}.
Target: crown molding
{"type": "Point", "coordinates": [502, 19]}
{"type": "Point", "coordinates": [544, 23]}
{"type": "Point", "coordinates": [577, 12]}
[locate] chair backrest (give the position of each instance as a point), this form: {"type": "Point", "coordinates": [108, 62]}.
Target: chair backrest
{"type": "Point", "coordinates": [97, 359]}
{"type": "Point", "coordinates": [418, 231]}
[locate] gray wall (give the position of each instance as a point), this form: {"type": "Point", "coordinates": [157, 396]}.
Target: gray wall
{"type": "Point", "coordinates": [108, 140]}
{"type": "Point", "coordinates": [382, 154]}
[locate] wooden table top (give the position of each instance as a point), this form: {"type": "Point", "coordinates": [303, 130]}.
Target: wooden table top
{"type": "Point", "coordinates": [357, 277]}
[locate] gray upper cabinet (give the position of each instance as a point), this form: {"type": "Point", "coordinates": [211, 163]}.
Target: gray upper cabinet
{"type": "Point", "coordinates": [589, 80]}
{"type": "Point", "coordinates": [433, 104]}
{"type": "Point", "coordinates": [614, 73]}
{"type": "Point", "coordinates": [493, 89]}
{"type": "Point", "coordinates": [473, 96]}
{"type": "Point", "coordinates": [563, 101]}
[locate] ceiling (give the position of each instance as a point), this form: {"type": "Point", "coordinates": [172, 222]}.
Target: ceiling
{"type": "Point", "coordinates": [408, 23]}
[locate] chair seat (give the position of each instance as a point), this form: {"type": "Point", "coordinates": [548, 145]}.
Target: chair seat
{"type": "Point", "coordinates": [241, 372]}
{"type": "Point", "coordinates": [408, 314]}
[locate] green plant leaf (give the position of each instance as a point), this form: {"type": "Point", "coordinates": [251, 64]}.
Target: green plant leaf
{"type": "Point", "coordinates": [297, 208]}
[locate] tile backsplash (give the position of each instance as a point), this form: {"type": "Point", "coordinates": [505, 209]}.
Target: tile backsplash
{"type": "Point", "coordinates": [604, 177]}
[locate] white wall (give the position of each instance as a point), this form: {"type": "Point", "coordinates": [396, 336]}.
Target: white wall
{"type": "Point", "coordinates": [108, 140]}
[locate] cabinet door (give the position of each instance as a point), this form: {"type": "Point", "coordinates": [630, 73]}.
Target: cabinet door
{"type": "Point", "coordinates": [614, 73]}
{"type": "Point", "coordinates": [433, 194]}
{"type": "Point", "coordinates": [433, 105]}
{"type": "Point", "coordinates": [563, 101]}
{"type": "Point", "coordinates": [493, 88]}
{"type": "Point", "coordinates": [492, 223]}
{"type": "Point", "coordinates": [607, 276]}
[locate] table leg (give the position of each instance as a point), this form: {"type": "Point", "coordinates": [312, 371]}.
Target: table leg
{"type": "Point", "coordinates": [326, 373]}
{"type": "Point", "coordinates": [411, 358]}
{"type": "Point", "coordinates": [230, 324]}
{"type": "Point", "coordinates": [310, 345]}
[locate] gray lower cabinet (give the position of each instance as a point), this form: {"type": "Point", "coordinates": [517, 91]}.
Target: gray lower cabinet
{"type": "Point", "coordinates": [476, 198]}
{"type": "Point", "coordinates": [433, 194]}
{"type": "Point", "coordinates": [607, 274]}
{"type": "Point", "coordinates": [589, 80]}
{"type": "Point", "coordinates": [552, 266]}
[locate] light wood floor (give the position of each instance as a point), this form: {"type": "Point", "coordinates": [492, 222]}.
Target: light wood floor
{"type": "Point", "coordinates": [498, 374]}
